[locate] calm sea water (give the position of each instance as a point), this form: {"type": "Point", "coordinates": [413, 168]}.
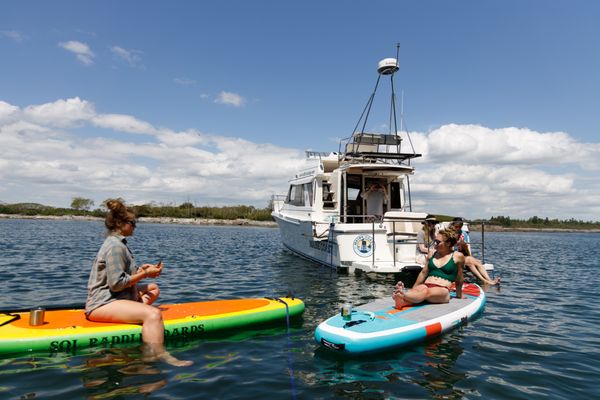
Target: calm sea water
{"type": "Point", "coordinates": [538, 337]}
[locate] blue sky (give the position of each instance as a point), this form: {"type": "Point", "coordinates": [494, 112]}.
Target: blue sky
{"type": "Point", "coordinates": [215, 102]}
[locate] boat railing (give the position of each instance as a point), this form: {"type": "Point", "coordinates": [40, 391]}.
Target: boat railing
{"type": "Point", "coordinates": [401, 233]}
{"type": "Point", "coordinates": [371, 147]}
{"type": "Point", "coordinates": [277, 201]}
{"type": "Point", "coordinates": [477, 248]}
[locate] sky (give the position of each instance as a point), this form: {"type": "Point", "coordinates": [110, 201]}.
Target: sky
{"type": "Point", "coordinates": [215, 102]}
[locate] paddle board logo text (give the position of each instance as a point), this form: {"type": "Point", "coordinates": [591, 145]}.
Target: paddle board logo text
{"type": "Point", "coordinates": [108, 341]}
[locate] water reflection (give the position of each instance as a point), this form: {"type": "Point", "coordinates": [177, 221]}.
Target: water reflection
{"type": "Point", "coordinates": [116, 372]}
{"type": "Point", "coordinates": [533, 340]}
{"type": "Point", "coordinates": [393, 374]}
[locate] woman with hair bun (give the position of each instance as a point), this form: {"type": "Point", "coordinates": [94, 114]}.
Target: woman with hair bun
{"type": "Point", "coordinates": [115, 293]}
{"type": "Point", "coordinates": [442, 267]}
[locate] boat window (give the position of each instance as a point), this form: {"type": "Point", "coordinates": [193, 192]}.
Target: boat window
{"type": "Point", "coordinates": [294, 195]}
{"type": "Point", "coordinates": [308, 194]}
{"type": "Point", "coordinates": [300, 195]}
{"type": "Point", "coordinates": [353, 193]}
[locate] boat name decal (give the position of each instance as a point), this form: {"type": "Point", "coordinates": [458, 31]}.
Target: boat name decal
{"type": "Point", "coordinates": [306, 173]}
{"type": "Point", "coordinates": [363, 245]}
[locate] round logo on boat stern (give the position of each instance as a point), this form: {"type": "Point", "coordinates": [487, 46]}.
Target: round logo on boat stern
{"type": "Point", "coordinates": [363, 245]}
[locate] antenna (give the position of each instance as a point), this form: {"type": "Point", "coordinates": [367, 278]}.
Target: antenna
{"type": "Point", "coordinates": [401, 110]}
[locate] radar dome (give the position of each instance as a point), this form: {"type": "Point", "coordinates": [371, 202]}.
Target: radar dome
{"type": "Point", "coordinates": [388, 66]}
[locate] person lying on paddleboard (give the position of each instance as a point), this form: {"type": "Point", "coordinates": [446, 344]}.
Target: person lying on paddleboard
{"type": "Point", "coordinates": [114, 291]}
{"type": "Point", "coordinates": [473, 264]}
{"type": "Point", "coordinates": [444, 266]}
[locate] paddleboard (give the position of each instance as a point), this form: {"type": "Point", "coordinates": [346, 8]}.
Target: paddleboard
{"type": "Point", "coordinates": [68, 329]}
{"type": "Point", "coordinates": [379, 325]}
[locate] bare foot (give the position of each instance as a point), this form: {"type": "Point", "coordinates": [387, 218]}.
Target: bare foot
{"type": "Point", "coordinates": [400, 286]}
{"type": "Point", "coordinates": [398, 297]}
{"type": "Point", "coordinates": [169, 359]}
{"type": "Point", "coordinates": [156, 352]}
{"type": "Point", "coordinates": [493, 281]}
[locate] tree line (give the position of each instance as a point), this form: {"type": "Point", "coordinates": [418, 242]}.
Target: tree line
{"type": "Point", "coordinates": [84, 207]}
{"type": "Point", "coordinates": [541, 222]}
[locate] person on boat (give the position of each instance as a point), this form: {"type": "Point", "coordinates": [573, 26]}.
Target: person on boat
{"type": "Point", "coordinates": [425, 238]}
{"type": "Point", "coordinates": [473, 264]}
{"type": "Point", "coordinates": [444, 266]}
{"type": "Point", "coordinates": [376, 197]}
{"type": "Point", "coordinates": [115, 293]}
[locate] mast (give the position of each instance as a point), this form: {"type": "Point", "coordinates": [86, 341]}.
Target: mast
{"type": "Point", "coordinates": [365, 146]}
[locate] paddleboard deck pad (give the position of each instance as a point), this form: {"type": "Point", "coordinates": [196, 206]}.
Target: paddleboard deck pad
{"type": "Point", "coordinates": [379, 325]}
{"type": "Point", "coordinates": [68, 329]}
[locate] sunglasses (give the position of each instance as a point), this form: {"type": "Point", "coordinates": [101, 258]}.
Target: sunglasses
{"type": "Point", "coordinates": [133, 223]}
{"type": "Point", "coordinates": [437, 242]}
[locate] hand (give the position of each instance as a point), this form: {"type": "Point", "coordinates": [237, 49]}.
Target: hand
{"type": "Point", "coordinates": [151, 270]}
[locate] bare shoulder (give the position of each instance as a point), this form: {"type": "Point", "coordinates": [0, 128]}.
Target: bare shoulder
{"type": "Point", "coordinates": [459, 257]}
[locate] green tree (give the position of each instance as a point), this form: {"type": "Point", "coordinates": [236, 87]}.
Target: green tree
{"type": "Point", "coordinates": [79, 203]}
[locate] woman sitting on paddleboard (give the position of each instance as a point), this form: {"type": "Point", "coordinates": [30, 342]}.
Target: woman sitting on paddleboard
{"type": "Point", "coordinates": [114, 291]}
{"type": "Point", "coordinates": [443, 267]}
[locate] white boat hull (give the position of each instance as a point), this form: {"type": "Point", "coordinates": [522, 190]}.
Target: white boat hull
{"type": "Point", "coordinates": [348, 246]}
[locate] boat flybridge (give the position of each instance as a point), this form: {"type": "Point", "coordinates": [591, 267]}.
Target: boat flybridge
{"type": "Point", "coordinates": [352, 209]}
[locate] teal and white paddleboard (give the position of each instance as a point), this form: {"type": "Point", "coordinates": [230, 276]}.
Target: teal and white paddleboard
{"type": "Point", "coordinates": [379, 325]}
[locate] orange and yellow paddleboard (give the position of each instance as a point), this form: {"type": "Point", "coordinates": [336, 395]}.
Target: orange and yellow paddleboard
{"type": "Point", "coordinates": [68, 329]}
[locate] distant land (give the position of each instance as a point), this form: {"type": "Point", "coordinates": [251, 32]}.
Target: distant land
{"type": "Point", "coordinates": [187, 213]}
{"type": "Point", "coordinates": [154, 220]}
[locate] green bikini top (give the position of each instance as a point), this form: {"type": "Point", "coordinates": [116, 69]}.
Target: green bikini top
{"type": "Point", "coordinates": [448, 271]}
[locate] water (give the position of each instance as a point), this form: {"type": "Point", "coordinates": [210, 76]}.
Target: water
{"type": "Point", "coordinates": [536, 339]}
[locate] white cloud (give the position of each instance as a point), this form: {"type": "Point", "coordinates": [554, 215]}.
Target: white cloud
{"type": "Point", "coordinates": [230, 98]}
{"type": "Point", "coordinates": [132, 57]}
{"type": "Point", "coordinates": [7, 112]}
{"type": "Point", "coordinates": [55, 151]}
{"type": "Point", "coordinates": [81, 50]}
{"type": "Point", "coordinates": [476, 171]}
{"type": "Point", "coordinates": [123, 123]}
{"type": "Point", "coordinates": [13, 35]}
{"type": "Point", "coordinates": [41, 163]}
{"type": "Point", "coordinates": [61, 113]}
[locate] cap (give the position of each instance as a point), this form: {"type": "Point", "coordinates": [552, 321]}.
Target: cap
{"type": "Point", "coordinates": [431, 218]}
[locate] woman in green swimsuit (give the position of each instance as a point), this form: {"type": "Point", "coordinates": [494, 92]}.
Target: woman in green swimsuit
{"type": "Point", "coordinates": [443, 267]}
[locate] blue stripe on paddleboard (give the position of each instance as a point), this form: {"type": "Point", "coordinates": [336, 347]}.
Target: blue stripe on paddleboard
{"type": "Point", "coordinates": [379, 343]}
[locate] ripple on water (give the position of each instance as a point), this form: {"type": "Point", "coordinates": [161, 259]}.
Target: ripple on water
{"type": "Point", "coordinates": [536, 339]}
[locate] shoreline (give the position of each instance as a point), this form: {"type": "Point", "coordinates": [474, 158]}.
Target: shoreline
{"type": "Point", "coordinates": [266, 224]}
{"type": "Point", "coordinates": [498, 228]}
{"type": "Point", "coordinates": [153, 220]}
